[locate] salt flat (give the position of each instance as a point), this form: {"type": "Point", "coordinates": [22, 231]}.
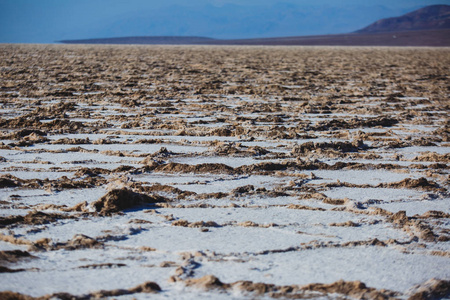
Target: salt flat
{"type": "Point", "coordinates": [224, 172]}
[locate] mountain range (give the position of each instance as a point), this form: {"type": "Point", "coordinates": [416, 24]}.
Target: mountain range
{"type": "Point", "coordinates": [428, 18]}
{"type": "Point", "coordinates": [428, 26]}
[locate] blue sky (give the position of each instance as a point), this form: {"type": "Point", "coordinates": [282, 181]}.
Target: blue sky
{"type": "Point", "coordinates": [49, 21]}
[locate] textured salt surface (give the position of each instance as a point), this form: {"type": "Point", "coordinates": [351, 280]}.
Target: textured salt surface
{"type": "Point", "coordinates": [167, 164]}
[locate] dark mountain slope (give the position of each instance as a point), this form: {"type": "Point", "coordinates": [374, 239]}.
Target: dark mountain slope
{"type": "Point", "coordinates": [428, 18]}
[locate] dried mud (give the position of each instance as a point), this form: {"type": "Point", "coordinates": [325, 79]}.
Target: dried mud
{"type": "Point", "coordinates": [147, 287]}
{"type": "Point", "coordinates": [355, 289]}
{"type": "Point", "coordinates": [179, 162]}
{"type": "Point", "coordinates": [120, 199]}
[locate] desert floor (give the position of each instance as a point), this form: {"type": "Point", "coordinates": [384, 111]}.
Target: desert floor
{"type": "Point", "coordinates": [172, 172]}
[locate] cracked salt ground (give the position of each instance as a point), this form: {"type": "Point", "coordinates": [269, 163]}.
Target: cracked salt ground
{"type": "Point", "coordinates": [206, 183]}
{"type": "Point", "coordinates": [238, 229]}
{"type": "Point", "coordinates": [417, 207]}
{"type": "Point", "coordinates": [393, 200]}
{"type": "Point", "coordinates": [226, 185]}
{"type": "Point", "coordinates": [234, 162]}
{"type": "Point", "coordinates": [226, 239]}
{"type": "Point", "coordinates": [67, 159]}
{"type": "Point", "coordinates": [33, 198]}
{"type": "Point", "coordinates": [375, 195]}
{"type": "Point", "coordinates": [372, 177]}
{"type": "Point", "coordinates": [130, 148]}
{"type": "Point", "coordinates": [276, 215]}
{"type": "Point", "coordinates": [113, 228]}
{"type": "Point", "coordinates": [276, 181]}
{"type": "Point", "coordinates": [37, 174]}
{"type": "Point", "coordinates": [6, 246]}
{"type": "Point", "coordinates": [259, 201]}
{"type": "Point", "coordinates": [387, 159]}
{"type": "Point", "coordinates": [79, 271]}
{"type": "Point", "coordinates": [383, 268]}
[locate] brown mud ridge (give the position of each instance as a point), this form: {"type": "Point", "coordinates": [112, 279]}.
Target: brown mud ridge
{"type": "Point", "coordinates": [122, 199]}
{"type": "Point", "coordinates": [12, 256]}
{"type": "Point", "coordinates": [337, 147]}
{"type": "Point", "coordinates": [432, 289]}
{"type": "Point", "coordinates": [63, 183]}
{"type": "Point", "coordinates": [143, 136]}
{"type": "Point", "coordinates": [33, 218]}
{"type": "Point", "coordinates": [147, 287]}
{"type": "Point", "coordinates": [416, 225]}
{"type": "Point", "coordinates": [262, 168]}
{"type": "Point", "coordinates": [79, 241]}
{"type": "Point", "coordinates": [355, 123]}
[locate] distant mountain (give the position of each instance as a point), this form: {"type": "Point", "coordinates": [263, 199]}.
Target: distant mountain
{"type": "Point", "coordinates": [147, 40]}
{"type": "Point", "coordinates": [428, 26]}
{"type": "Point", "coordinates": [413, 38]}
{"type": "Point", "coordinates": [430, 38]}
{"type": "Point", "coordinates": [233, 20]}
{"type": "Point", "coordinates": [427, 18]}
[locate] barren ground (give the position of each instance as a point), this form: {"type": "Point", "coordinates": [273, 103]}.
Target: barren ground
{"type": "Point", "coordinates": [224, 172]}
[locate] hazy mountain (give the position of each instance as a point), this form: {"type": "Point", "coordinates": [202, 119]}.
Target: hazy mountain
{"type": "Point", "coordinates": [147, 40]}
{"type": "Point", "coordinates": [427, 18]}
{"type": "Point", "coordinates": [233, 21]}
{"type": "Point", "coordinates": [428, 26]}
